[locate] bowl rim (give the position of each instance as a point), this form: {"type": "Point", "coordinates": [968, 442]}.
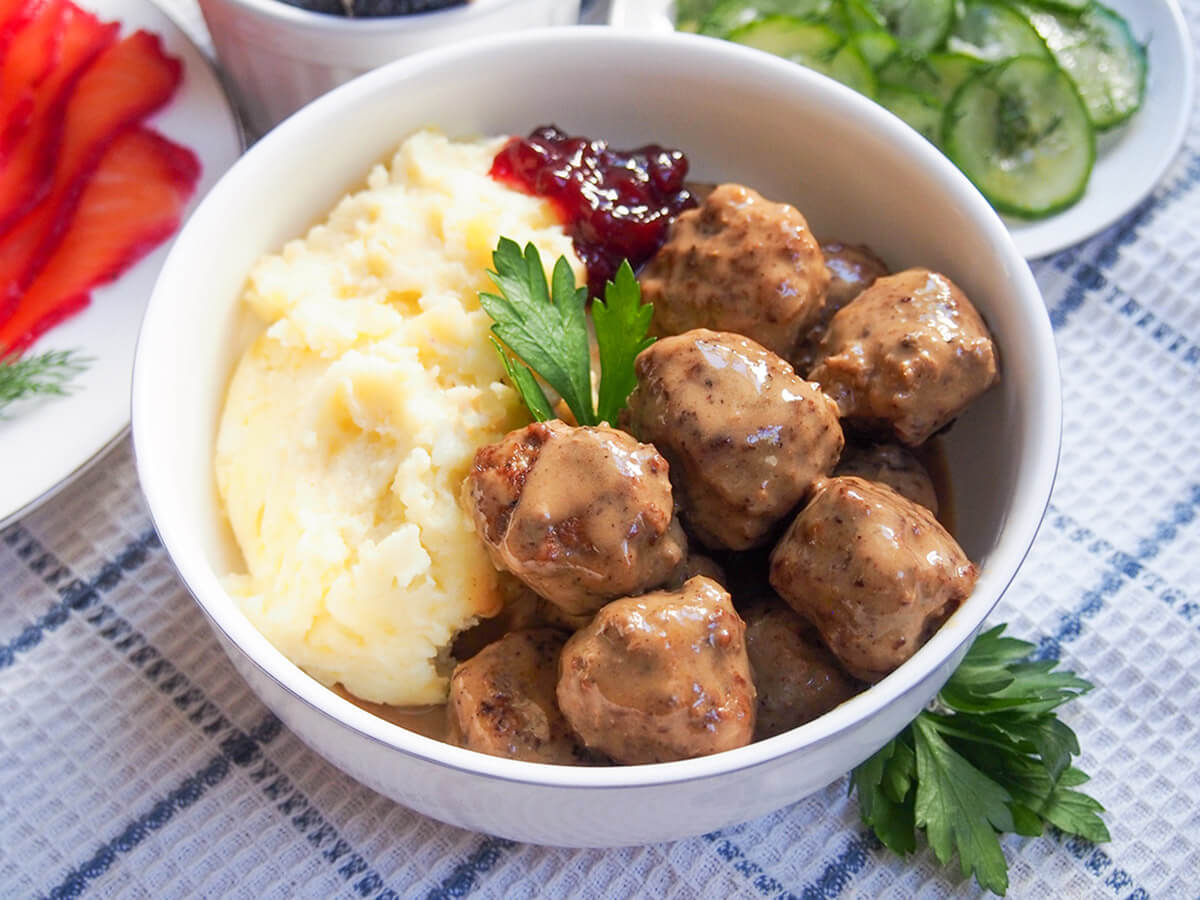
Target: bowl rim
{"type": "Point", "coordinates": [1017, 532]}
{"type": "Point", "coordinates": [281, 12]}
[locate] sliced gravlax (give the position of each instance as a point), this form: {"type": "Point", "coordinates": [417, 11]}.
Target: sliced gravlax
{"type": "Point", "coordinates": [14, 16]}
{"type": "Point", "coordinates": [133, 201]}
{"type": "Point", "coordinates": [129, 80]}
{"type": "Point", "coordinates": [87, 56]}
{"type": "Point", "coordinates": [30, 54]}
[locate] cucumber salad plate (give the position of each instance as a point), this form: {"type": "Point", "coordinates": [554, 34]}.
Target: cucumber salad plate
{"type": "Point", "coordinates": [1064, 113]}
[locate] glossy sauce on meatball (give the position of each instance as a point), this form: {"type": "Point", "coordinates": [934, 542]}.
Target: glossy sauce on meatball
{"type": "Point", "coordinates": [660, 677]}
{"type": "Point", "coordinates": [909, 353]}
{"type": "Point", "coordinates": [873, 571]}
{"type": "Point", "coordinates": [738, 263]}
{"type": "Point", "coordinates": [745, 435]}
{"type": "Point", "coordinates": [580, 515]}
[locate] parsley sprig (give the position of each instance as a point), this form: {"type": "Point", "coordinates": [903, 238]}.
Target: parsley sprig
{"type": "Point", "coordinates": [992, 757]}
{"type": "Point", "coordinates": [45, 373]}
{"type": "Point", "coordinates": [544, 325]}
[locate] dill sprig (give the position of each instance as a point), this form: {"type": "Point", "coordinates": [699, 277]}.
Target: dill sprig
{"type": "Point", "coordinates": [48, 373]}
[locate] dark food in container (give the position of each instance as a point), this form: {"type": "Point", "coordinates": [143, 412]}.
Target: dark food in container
{"type": "Point", "coordinates": [375, 8]}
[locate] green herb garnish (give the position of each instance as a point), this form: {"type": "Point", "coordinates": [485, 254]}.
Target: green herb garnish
{"type": "Point", "coordinates": [993, 757]}
{"type": "Point", "coordinates": [545, 328]}
{"type": "Point", "coordinates": [46, 373]}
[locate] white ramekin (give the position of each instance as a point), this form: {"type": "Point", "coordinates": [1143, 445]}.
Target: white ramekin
{"type": "Point", "coordinates": [857, 172]}
{"type": "Point", "coordinates": [277, 57]}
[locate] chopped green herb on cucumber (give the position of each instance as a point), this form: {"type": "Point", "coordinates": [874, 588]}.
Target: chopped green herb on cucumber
{"type": "Point", "coordinates": [997, 84]}
{"type": "Point", "coordinates": [1021, 133]}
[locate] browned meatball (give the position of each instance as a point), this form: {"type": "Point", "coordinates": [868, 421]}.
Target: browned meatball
{"type": "Point", "coordinates": [796, 676]}
{"type": "Point", "coordinates": [581, 515]}
{"type": "Point", "coordinates": [894, 465]}
{"type": "Point", "coordinates": [502, 700]}
{"type": "Point", "coordinates": [852, 269]}
{"type": "Point", "coordinates": [738, 263]}
{"type": "Point", "coordinates": [745, 435]}
{"type": "Point", "coordinates": [910, 352]}
{"type": "Point", "coordinates": [660, 677]}
{"type": "Point", "coordinates": [873, 571]}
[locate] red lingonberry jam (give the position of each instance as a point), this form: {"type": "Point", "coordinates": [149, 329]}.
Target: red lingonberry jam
{"type": "Point", "coordinates": [615, 204]}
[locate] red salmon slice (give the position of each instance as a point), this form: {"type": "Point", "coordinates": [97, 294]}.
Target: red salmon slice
{"type": "Point", "coordinates": [130, 79]}
{"type": "Point", "coordinates": [133, 201]}
{"type": "Point", "coordinates": [32, 53]}
{"type": "Point", "coordinates": [27, 164]}
{"type": "Point", "coordinates": [15, 15]}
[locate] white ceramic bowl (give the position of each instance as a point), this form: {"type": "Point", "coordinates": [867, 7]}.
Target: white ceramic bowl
{"type": "Point", "coordinates": [278, 57]}
{"type": "Point", "coordinates": [854, 170]}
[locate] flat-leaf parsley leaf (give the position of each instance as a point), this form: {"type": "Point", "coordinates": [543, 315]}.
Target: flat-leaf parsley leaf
{"type": "Point", "coordinates": [545, 326]}
{"type": "Point", "coordinates": [992, 757]}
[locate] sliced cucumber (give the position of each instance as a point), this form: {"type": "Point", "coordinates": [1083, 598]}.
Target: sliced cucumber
{"type": "Point", "coordinates": [729, 15]}
{"type": "Point", "coordinates": [1100, 54]}
{"type": "Point", "coordinates": [811, 44]}
{"type": "Point", "coordinates": [876, 47]}
{"type": "Point", "coordinates": [860, 15]}
{"type": "Point", "coordinates": [1021, 133]}
{"type": "Point", "coordinates": [851, 68]}
{"type": "Point", "coordinates": [994, 31]}
{"type": "Point", "coordinates": [937, 75]}
{"type": "Point", "coordinates": [919, 24]}
{"type": "Point", "coordinates": [921, 111]}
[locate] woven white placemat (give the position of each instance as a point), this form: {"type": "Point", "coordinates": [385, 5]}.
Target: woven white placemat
{"type": "Point", "coordinates": [135, 762]}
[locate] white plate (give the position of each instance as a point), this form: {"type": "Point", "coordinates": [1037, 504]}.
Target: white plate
{"type": "Point", "coordinates": [44, 443]}
{"type": "Point", "coordinates": [1129, 161]}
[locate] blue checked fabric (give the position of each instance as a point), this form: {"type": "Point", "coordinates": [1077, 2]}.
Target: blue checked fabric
{"type": "Point", "coordinates": [134, 762]}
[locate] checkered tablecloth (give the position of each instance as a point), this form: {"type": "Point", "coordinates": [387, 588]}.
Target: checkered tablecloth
{"type": "Point", "coordinates": [135, 762]}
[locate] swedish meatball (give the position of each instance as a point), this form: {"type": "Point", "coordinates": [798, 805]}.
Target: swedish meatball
{"type": "Point", "coordinates": [738, 263]}
{"type": "Point", "coordinates": [910, 352]}
{"type": "Point", "coordinates": [745, 436]}
{"type": "Point", "coordinates": [852, 269]}
{"type": "Point", "coordinates": [894, 465]}
{"type": "Point", "coordinates": [581, 515]}
{"type": "Point", "coordinates": [502, 700]}
{"type": "Point", "coordinates": [873, 571]}
{"type": "Point", "coordinates": [660, 677]}
{"type": "Point", "coordinates": [796, 676]}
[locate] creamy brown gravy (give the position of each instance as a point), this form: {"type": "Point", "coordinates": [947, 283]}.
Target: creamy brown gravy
{"type": "Point", "coordinates": [433, 721]}
{"type": "Point", "coordinates": [430, 721]}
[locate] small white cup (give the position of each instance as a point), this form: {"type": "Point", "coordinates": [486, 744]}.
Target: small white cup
{"type": "Point", "coordinates": [277, 57]}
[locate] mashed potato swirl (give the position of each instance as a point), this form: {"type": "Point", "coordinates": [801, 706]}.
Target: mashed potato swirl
{"type": "Point", "coordinates": [351, 421]}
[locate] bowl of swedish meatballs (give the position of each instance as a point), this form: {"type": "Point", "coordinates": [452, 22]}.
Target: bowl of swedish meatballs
{"type": "Point", "coordinates": [595, 467]}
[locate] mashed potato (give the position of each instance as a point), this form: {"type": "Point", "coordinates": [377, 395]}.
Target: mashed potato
{"type": "Point", "coordinates": [352, 420]}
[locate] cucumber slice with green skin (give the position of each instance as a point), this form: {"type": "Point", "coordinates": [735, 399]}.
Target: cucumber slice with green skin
{"type": "Point", "coordinates": [729, 15]}
{"type": "Point", "coordinates": [921, 111]}
{"type": "Point", "coordinates": [811, 44]}
{"type": "Point", "coordinates": [937, 75]}
{"type": "Point", "coordinates": [1021, 133]}
{"type": "Point", "coordinates": [858, 15]}
{"type": "Point", "coordinates": [851, 68]}
{"type": "Point", "coordinates": [994, 31]}
{"type": "Point", "coordinates": [876, 47]}
{"type": "Point", "coordinates": [919, 24]}
{"type": "Point", "coordinates": [1100, 54]}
